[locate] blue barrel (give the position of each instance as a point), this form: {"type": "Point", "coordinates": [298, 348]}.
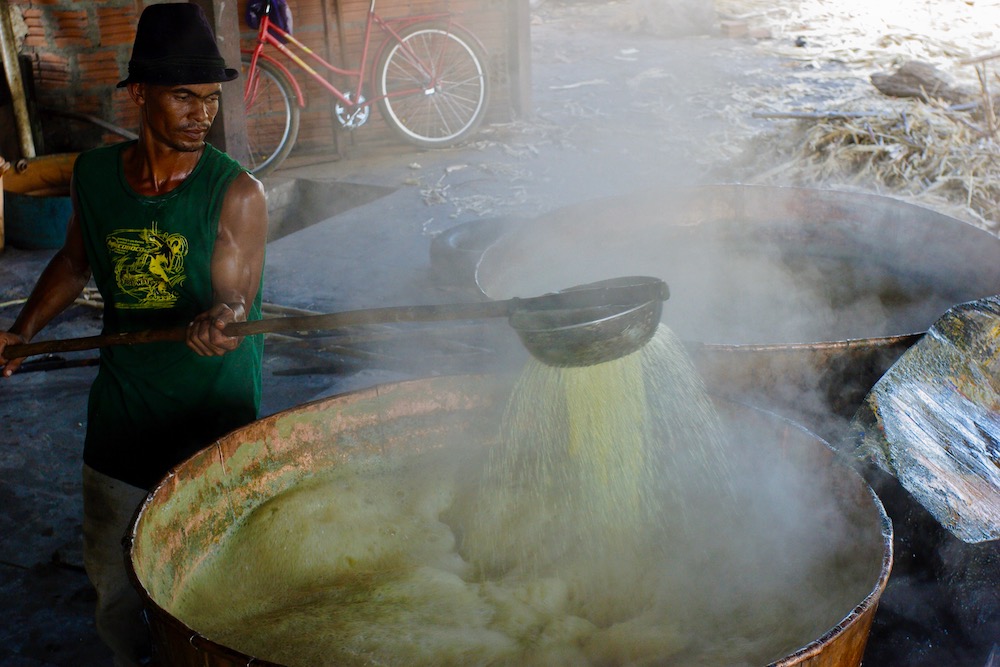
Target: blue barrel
{"type": "Point", "coordinates": [37, 205]}
{"type": "Point", "coordinates": [36, 222]}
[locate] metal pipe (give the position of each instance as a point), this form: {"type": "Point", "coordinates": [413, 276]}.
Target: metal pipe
{"type": "Point", "coordinates": [94, 120]}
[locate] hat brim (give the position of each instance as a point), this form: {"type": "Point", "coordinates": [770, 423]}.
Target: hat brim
{"type": "Point", "coordinates": [177, 78]}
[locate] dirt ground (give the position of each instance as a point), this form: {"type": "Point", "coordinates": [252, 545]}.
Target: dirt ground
{"type": "Point", "coordinates": [618, 105]}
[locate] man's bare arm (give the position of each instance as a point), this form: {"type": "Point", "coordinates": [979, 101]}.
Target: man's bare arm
{"type": "Point", "coordinates": [237, 266]}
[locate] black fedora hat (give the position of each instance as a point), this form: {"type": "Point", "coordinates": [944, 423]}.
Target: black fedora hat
{"type": "Point", "coordinates": [174, 44]}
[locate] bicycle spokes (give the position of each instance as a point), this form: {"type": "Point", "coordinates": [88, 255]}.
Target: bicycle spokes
{"type": "Point", "coordinates": [433, 85]}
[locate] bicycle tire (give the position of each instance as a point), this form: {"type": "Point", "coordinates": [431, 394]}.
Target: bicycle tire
{"type": "Point", "coordinates": [458, 103]}
{"type": "Point", "coordinates": [273, 116]}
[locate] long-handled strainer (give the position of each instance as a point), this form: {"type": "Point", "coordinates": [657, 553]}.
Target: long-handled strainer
{"type": "Point", "coordinates": [579, 326]}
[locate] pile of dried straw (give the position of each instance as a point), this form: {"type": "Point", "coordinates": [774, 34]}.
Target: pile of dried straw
{"type": "Point", "coordinates": [924, 152]}
{"type": "Point", "coordinates": [941, 156]}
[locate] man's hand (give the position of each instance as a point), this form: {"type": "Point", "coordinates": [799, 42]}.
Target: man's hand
{"type": "Point", "coordinates": [204, 334]}
{"type": "Point", "coordinates": [9, 366]}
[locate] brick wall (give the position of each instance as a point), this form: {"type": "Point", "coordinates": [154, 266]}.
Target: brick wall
{"type": "Point", "coordinates": [80, 49]}
{"type": "Point", "coordinates": [77, 51]}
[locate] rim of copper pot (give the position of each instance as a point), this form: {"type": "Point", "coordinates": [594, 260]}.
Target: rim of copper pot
{"type": "Point", "coordinates": [866, 607]}
{"type": "Point", "coordinates": [197, 640]}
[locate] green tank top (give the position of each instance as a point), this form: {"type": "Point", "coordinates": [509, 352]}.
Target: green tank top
{"type": "Point", "coordinates": [152, 405]}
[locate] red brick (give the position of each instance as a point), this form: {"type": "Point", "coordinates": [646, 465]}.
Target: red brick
{"type": "Point", "coordinates": [99, 67]}
{"type": "Point", "coordinates": [52, 71]}
{"type": "Point", "coordinates": [70, 28]}
{"type": "Point", "coordinates": [36, 41]}
{"type": "Point", "coordinates": [89, 104]}
{"type": "Point", "coordinates": [116, 26]}
{"type": "Point", "coordinates": [125, 115]}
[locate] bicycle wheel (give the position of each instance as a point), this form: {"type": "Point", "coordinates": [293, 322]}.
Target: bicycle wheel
{"type": "Point", "coordinates": [272, 117]}
{"type": "Point", "coordinates": [433, 85]}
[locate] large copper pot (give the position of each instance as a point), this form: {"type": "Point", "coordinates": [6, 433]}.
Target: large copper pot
{"type": "Point", "coordinates": [882, 272]}
{"type": "Point", "coordinates": [184, 517]}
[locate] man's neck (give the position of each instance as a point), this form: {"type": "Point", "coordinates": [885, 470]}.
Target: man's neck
{"type": "Point", "coordinates": [153, 169]}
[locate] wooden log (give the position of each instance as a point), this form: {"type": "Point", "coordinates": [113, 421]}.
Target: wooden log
{"type": "Point", "coordinates": [817, 115]}
{"type": "Point", "coordinates": [921, 80]}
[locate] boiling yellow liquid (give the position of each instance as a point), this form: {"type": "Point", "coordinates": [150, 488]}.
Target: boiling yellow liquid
{"type": "Point", "coordinates": [558, 546]}
{"type": "Point", "coordinates": [593, 449]}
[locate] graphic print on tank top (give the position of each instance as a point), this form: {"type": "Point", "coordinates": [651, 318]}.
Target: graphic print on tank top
{"type": "Point", "coordinates": [148, 265]}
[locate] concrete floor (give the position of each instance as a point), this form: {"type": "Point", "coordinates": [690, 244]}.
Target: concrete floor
{"type": "Point", "coordinates": [372, 216]}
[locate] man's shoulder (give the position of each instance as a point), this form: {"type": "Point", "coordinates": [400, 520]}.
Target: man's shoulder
{"type": "Point", "coordinates": [102, 155]}
{"type": "Point", "coordinates": [222, 158]}
{"type": "Point", "coordinates": [219, 169]}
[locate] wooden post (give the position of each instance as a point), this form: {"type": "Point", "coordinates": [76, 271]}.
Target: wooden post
{"type": "Point", "coordinates": [519, 56]}
{"type": "Point", "coordinates": [333, 28]}
{"type": "Point", "coordinates": [229, 132]}
{"type": "Point", "coordinates": [8, 57]}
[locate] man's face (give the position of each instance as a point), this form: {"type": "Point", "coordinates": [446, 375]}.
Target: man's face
{"type": "Point", "coordinates": [178, 116]}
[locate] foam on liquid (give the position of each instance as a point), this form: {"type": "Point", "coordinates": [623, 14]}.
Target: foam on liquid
{"type": "Point", "coordinates": [558, 546]}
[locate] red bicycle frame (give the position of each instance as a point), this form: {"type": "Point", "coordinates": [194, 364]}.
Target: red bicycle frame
{"type": "Point", "coordinates": [271, 34]}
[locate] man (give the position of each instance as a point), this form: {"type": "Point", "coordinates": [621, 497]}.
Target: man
{"type": "Point", "coordinates": [173, 233]}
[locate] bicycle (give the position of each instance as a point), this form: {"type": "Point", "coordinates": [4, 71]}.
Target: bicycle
{"type": "Point", "coordinates": [429, 79]}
